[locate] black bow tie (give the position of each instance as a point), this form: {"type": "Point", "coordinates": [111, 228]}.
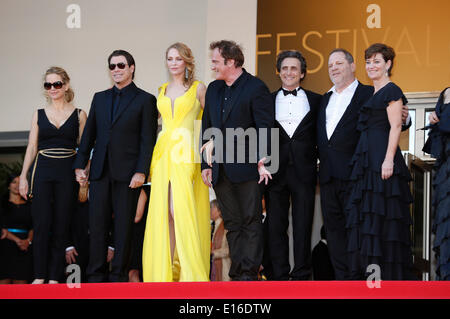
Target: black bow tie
{"type": "Point", "coordinates": [293, 92]}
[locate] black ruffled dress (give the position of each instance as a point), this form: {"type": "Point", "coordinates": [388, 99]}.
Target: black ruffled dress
{"type": "Point", "coordinates": [438, 145]}
{"type": "Point", "coordinates": [378, 214]}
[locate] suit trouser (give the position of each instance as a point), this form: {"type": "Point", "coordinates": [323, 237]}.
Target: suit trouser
{"type": "Point", "coordinates": [80, 236]}
{"type": "Point", "coordinates": [281, 193]}
{"type": "Point", "coordinates": [333, 198]}
{"type": "Point", "coordinates": [51, 207]}
{"type": "Point", "coordinates": [108, 197]}
{"type": "Point", "coordinates": [241, 206]}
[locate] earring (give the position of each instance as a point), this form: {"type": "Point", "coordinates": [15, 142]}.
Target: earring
{"type": "Point", "coordinates": [186, 73]}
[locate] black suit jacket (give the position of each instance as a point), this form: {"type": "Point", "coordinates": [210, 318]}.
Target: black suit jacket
{"type": "Point", "coordinates": [335, 154]}
{"type": "Point", "coordinates": [252, 108]}
{"type": "Point", "coordinates": [126, 142]}
{"type": "Point", "coordinates": [300, 150]}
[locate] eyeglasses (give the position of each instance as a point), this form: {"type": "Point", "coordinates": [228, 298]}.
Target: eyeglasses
{"type": "Point", "coordinates": [56, 85]}
{"type": "Point", "coordinates": [120, 65]}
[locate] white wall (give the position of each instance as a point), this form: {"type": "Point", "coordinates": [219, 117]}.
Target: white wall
{"type": "Point", "coordinates": [34, 36]}
{"type": "Point", "coordinates": [233, 20]}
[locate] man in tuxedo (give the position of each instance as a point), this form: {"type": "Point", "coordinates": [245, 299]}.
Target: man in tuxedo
{"type": "Point", "coordinates": [337, 137]}
{"type": "Point", "coordinates": [295, 182]}
{"type": "Point", "coordinates": [122, 126]}
{"type": "Point", "coordinates": [237, 106]}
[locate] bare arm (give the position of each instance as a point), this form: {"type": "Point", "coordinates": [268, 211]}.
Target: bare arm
{"type": "Point", "coordinates": [140, 210]}
{"type": "Point", "coordinates": [30, 235]}
{"type": "Point", "coordinates": [394, 112]}
{"type": "Point", "coordinates": [201, 91]}
{"type": "Point", "coordinates": [83, 118]}
{"type": "Point", "coordinates": [23, 244]}
{"type": "Point", "coordinates": [30, 155]}
{"type": "Point", "coordinates": [13, 237]}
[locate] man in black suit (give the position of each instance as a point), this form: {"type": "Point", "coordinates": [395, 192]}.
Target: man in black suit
{"type": "Point", "coordinates": [337, 137]}
{"type": "Point", "coordinates": [295, 182]}
{"type": "Point", "coordinates": [122, 126]}
{"type": "Point", "coordinates": [237, 106]}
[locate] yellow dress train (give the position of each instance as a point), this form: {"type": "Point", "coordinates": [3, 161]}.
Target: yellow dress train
{"type": "Point", "coordinates": [176, 160]}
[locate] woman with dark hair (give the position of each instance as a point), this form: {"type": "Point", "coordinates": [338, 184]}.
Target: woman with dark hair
{"type": "Point", "coordinates": [378, 217]}
{"type": "Point", "coordinates": [16, 261]}
{"type": "Point", "coordinates": [177, 233]}
{"type": "Point", "coordinates": [438, 145]}
{"type": "Point", "coordinates": [54, 136]}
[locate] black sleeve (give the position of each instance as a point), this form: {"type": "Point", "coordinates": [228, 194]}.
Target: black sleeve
{"type": "Point", "coordinates": [263, 111]}
{"type": "Point", "coordinates": [206, 124]}
{"type": "Point", "coordinates": [87, 139]}
{"type": "Point", "coordinates": [149, 127]}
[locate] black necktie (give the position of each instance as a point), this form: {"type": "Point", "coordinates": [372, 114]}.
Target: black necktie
{"type": "Point", "coordinates": [293, 92]}
{"type": "Point", "coordinates": [115, 104]}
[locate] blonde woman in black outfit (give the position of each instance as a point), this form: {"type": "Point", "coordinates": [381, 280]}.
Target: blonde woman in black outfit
{"type": "Point", "coordinates": [54, 136]}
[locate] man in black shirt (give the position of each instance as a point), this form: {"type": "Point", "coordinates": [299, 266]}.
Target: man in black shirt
{"type": "Point", "coordinates": [237, 106]}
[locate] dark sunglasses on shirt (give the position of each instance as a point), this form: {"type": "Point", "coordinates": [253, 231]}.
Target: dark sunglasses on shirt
{"type": "Point", "coordinates": [56, 85]}
{"type": "Point", "coordinates": [120, 65]}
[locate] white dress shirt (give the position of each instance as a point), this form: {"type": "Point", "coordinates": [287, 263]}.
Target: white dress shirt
{"type": "Point", "coordinates": [290, 110]}
{"type": "Point", "coordinates": [337, 105]}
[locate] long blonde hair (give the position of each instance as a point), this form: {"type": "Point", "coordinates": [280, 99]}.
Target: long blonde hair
{"type": "Point", "coordinates": [186, 54]}
{"type": "Point", "coordinates": [69, 94]}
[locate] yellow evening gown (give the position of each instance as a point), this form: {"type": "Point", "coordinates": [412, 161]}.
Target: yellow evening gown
{"type": "Point", "coordinates": [175, 160]}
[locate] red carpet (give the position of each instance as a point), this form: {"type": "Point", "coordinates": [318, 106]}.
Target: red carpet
{"type": "Point", "coordinates": [233, 290]}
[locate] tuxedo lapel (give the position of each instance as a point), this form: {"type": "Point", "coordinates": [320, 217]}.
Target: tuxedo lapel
{"type": "Point", "coordinates": [303, 124]}
{"type": "Point", "coordinates": [284, 134]}
{"type": "Point", "coordinates": [307, 118]}
{"type": "Point", "coordinates": [322, 117]}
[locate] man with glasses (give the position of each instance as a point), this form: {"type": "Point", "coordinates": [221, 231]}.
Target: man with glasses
{"type": "Point", "coordinates": [122, 125]}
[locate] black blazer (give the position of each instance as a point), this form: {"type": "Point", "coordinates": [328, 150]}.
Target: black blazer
{"type": "Point", "coordinates": [127, 140]}
{"type": "Point", "coordinates": [252, 108]}
{"type": "Point", "coordinates": [300, 150]}
{"type": "Point", "coordinates": [335, 154]}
